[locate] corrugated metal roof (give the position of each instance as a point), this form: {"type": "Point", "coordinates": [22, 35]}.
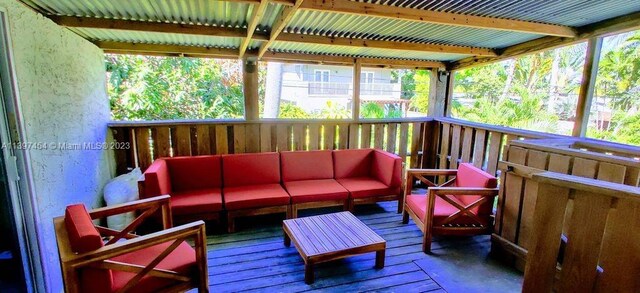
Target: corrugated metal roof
{"type": "Point", "coordinates": [360, 52]}
{"type": "Point", "coordinates": [357, 26]}
{"type": "Point", "coordinates": [236, 14]}
{"type": "Point", "coordinates": [92, 34]}
{"type": "Point", "coordinates": [563, 12]}
{"type": "Point", "coordinates": [221, 13]}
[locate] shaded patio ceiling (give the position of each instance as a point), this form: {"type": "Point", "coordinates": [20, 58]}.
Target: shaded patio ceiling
{"type": "Point", "coordinates": [419, 33]}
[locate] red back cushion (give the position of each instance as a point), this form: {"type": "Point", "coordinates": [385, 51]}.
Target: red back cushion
{"type": "Point", "coordinates": [470, 176]}
{"type": "Point", "coordinates": [251, 169]}
{"type": "Point", "coordinates": [387, 168]}
{"type": "Point", "coordinates": [197, 172]}
{"type": "Point", "coordinates": [306, 165]}
{"type": "Point", "coordinates": [352, 163]}
{"type": "Point", "coordinates": [84, 237]}
{"type": "Point", "coordinates": [156, 179]}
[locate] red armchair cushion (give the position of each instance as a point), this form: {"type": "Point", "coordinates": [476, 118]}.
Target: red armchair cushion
{"type": "Point", "coordinates": [470, 176]}
{"type": "Point", "coordinates": [306, 165]}
{"type": "Point", "coordinates": [196, 201]}
{"type": "Point", "coordinates": [181, 260]}
{"type": "Point", "coordinates": [250, 169]}
{"type": "Point", "coordinates": [194, 173]}
{"type": "Point", "coordinates": [352, 163]}
{"type": "Point", "coordinates": [315, 190]}
{"type": "Point", "coordinates": [361, 187]}
{"type": "Point", "coordinates": [255, 196]}
{"type": "Point", "coordinates": [156, 179]}
{"type": "Point", "coordinates": [442, 210]}
{"type": "Point", "coordinates": [83, 236]}
{"type": "Point", "coordinates": [387, 168]}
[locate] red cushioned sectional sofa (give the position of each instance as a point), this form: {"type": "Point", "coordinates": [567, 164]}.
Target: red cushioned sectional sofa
{"type": "Point", "coordinates": [201, 187]}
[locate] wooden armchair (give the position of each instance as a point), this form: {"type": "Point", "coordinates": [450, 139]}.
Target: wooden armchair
{"type": "Point", "coordinates": [94, 258]}
{"type": "Point", "coordinates": [460, 206]}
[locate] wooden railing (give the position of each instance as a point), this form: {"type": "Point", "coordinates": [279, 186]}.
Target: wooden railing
{"type": "Point", "coordinates": [151, 140]}
{"type": "Point", "coordinates": [601, 249]}
{"type": "Point", "coordinates": [517, 200]}
{"type": "Point", "coordinates": [481, 144]}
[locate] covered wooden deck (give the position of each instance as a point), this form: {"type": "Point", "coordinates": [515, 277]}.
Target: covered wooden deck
{"type": "Point", "coordinates": [255, 260]}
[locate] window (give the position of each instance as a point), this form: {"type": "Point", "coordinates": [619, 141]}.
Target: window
{"type": "Point", "coordinates": [295, 91]}
{"type": "Point", "coordinates": [321, 75]}
{"type": "Point", "coordinates": [159, 88]}
{"type": "Point", "coordinates": [615, 108]}
{"type": "Point", "coordinates": [393, 93]}
{"type": "Point", "coordinates": [535, 92]}
{"type": "Point", "coordinates": [366, 77]}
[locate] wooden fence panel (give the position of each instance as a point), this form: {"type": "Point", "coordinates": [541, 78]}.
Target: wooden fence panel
{"type": "Point", "coordinates": [467, 145]}
{"type": "Point", "coordinates": [222, 140]}
{"type": "Point", "coordinates": [161, 142]}
{"type": "Point", "coordinates": [480, 148]}
{"type": "Point", "coordinates": [142, 147]}
{"type": "Point", "coordinates": [182, 141]}
{"type": "Point", "coordinates": [239, 139]}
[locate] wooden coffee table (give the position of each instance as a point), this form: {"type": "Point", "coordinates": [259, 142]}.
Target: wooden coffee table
{"type": "Point", "coordinates": [329, 237]}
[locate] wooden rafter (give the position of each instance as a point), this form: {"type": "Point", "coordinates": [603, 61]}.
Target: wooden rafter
{"type": "Point", "coordinates": [254, 20]}
{"type": "Point", "coordinates": [281, 22]}
{"type": "Point", "coordinates": [614, 25]}
{"type": "Point", "coordinates": [437, 17]}
{"type": "Point", "coordinates": [392, 45]}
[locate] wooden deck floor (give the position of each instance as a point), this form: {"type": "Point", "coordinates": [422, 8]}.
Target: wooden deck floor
{"type": "Point", "coordinates": [254, 259]}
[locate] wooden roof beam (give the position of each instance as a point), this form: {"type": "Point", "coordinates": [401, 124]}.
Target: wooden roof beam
{"type": "Point", "coordinates": [437, 17]}
{"type": "Point", "coordinates": [281, 22]}
{"type": "Point", "coordinates": [391, 45]}
{"type": "Point", "coordinates": [254, 20]}
{"type": "Point", "coordinates": [154, 26]}
{"type": "Point", "coordinates": [606, 27]}
{"type": "Point", "coordinates": [345, 60]}
{"type": "Point", "coordinates": [206, 30]}
{"type": "Point", "coordinates": [209, 52]}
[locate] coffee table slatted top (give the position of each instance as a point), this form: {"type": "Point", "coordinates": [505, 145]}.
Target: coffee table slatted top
{"type": "Point", "coordinates": [325, 234]}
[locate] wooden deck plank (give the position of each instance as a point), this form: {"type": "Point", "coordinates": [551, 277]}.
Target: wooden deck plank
{"type": "Point", "coordinates": [256, 259]}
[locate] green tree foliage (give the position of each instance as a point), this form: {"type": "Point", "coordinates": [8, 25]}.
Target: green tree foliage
{"type": "Point", "coordinates": [156, 88]}
{"type": "Point", "coordinates": [420, 98]}
{"type": "Point", "coordinates": [618, 88]}
{"type": "Point", "coordinates": [521, 93]}
{"type": "Point", "coordinates": [291, 111]}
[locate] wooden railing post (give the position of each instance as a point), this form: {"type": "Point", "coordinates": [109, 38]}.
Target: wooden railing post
{"type": "Point", "coordinates": [357, 70]}
{"type": "Point", "coordinates": [438, 93]}
{"type": "Point", "coordinates": [587, 86]}
{"type": "Point", "coordinates": [250, 78]}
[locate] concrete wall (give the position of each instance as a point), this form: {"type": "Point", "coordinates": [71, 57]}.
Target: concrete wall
{"type": "Point", "coordinates": [62, 96]}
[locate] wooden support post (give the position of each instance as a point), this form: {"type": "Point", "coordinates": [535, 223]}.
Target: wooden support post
{"type": "Point", "coordinates": [438, 93]}
{"type": "Point", "coordinates": [587, 86]}
{"type": "Point", "coordinates": [357, 70]}
{"type": "Point", "coordinates": [250, 79]}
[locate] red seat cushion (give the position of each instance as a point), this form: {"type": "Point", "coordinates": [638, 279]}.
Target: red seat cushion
{"type": "Point", "coordinates": [361, 187]}
{"type": "Point", "coordinates": [255, 196]}
{"type": "Point", "coordinates": [315, 190]}
{"type": "Point", "coordinates": [181, 260]}
{"type": "Point", "coordinates": [194, 173]}
{"type": "Point", "coordinates": [352, 163]}
{"type": "Point", "coordinates": [196, 201]}
{"type": "Point", "coordinates": [296, 165]}
{"type": "Point", "coordinates": [418, 204]}
{"type": "Point", "coordinates": [250, 169]}
{"type": "Point", "coordinates": [470, 176]}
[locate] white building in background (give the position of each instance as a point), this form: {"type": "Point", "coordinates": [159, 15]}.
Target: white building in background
{"type": "Point", "coordinates": [311, 87]}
